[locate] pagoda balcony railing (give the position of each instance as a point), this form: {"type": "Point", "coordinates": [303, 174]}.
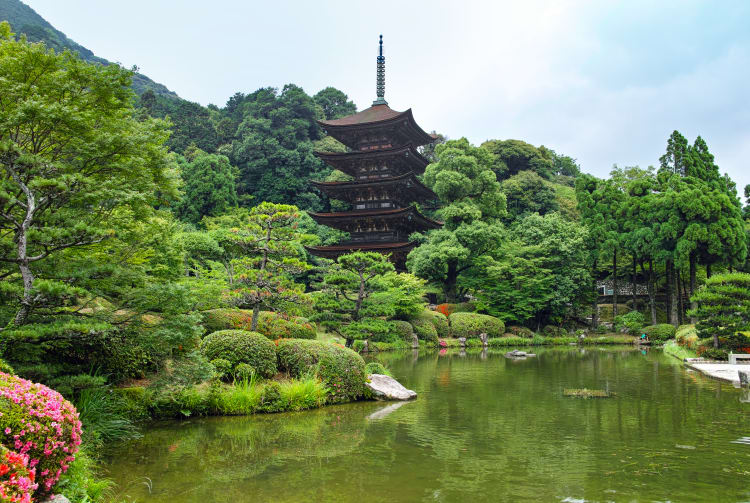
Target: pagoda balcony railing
{"type": "Point", "coordinates": [370, 237]}
{"type": "Point", "coordinates": [374, 205]}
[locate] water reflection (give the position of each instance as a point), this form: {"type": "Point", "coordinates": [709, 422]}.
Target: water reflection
{"type": "Point", "coordinates": [484, 428]}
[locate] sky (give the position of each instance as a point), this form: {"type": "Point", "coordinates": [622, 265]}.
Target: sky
{"type": "Point", "coordinates": [603, 82]}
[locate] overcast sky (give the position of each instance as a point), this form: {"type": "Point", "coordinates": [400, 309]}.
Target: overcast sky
{"type": "Point", "coordinates": [604, 82]}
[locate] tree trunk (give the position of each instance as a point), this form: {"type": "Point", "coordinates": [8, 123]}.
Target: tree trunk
{"type": "Point", "coordinates": [708, 271]}
{"type": "Point", "coordinates": [634, 286]}
{"type": "Point", "coordinates": [651, 292]}
{"type": "Point", "coordinates": [263, 264]}
{"type": "Point", "coordinates": [680, 298]}
{"type": "Point", "coordinates": [595, 312]}
{"type": "Point", "coordinates": [672, 294]}
{"type": "Point", "coordinates": [614, 285]}
{"type": "Point", "coordinates": [693, 284]}
{"type": "Point", "coordinates": [22, 235]}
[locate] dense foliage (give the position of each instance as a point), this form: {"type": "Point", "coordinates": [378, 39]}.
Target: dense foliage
{"type": "Point", "coordinates": [241, 346]}
{"type": "Point", "coordinates": [723, 309]}
{"type": "Point", "coordinates": [472, 325]}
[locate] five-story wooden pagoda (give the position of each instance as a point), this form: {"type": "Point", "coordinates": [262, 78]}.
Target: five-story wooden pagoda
{"type": "Point", "coordinates": [383, 161]}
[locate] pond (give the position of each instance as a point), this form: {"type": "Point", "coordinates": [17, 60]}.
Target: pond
{"type": "Point", "coordinates": [484, 428]}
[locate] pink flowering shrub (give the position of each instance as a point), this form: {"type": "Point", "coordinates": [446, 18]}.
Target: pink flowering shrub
{"type": "Point", "coordinates": [38, 422]}
{"type": "Point", "coordinates": [16, 478]}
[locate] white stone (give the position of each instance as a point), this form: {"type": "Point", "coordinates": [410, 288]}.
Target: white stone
{"type": "Point", "coordinates": [58, 498]}
{"type": "Point", "coordinates": [387, 388]}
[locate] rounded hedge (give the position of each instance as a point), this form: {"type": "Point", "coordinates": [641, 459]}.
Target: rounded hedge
{"type": "Point", "coordinates": [470, 325]}
{"type": "Point", "coordinates": [271, 324]}
{"type": "Point", "coordinates": [425, 330]}
{"type": "Point", "coordinates": [240, 346]}
{"type": "Point", "coordinates": [660, 333]}
{"type": "Point", "coordinates": [340, 368]}
{"type": "Point", "coordinates": [37, 421]}
{"type": "Point", "coordinates": [404, 330]}
{"type": "Point", "coordinates": [520, 331]}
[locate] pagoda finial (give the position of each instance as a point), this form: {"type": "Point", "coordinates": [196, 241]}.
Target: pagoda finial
{"type": "Point", "coordinates": [381, 77]}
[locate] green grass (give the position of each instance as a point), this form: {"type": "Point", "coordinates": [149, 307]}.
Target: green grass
{"type": "Point", "coordinates": [673, 349]}
{"type": "Point", "coordinates": [239, 399]}
{"type": "Point", "coordinates": [301, 394]}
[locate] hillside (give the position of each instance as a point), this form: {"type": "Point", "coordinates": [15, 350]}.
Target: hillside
{"type": "Point", "coordinates": [24, 19]}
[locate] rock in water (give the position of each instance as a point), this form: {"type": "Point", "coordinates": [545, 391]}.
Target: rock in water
{"type": "Point", "coordinates": [387, 388]}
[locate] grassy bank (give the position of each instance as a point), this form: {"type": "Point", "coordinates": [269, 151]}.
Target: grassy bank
{"type": "Point", "coordinates": [680, 352]}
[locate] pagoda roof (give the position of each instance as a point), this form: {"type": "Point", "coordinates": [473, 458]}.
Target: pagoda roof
{"type": "Point", "coordinates": [362, 246]}
{"type": "Point", "coordinates": [407, 180]}
{"type": "Point", "coordinates": [343, 161]}
{"type": "Point", "coordinates": [375, 117]}
{"type": "Point", "coordinates": [391, 213]}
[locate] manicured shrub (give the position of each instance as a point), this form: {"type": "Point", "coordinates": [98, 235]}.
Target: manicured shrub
{"type": "Point", "coordinates": [660, 333]}
{"type": "Point", "coordinates": [223, 368]}
{"type": "Point", "coordinates": [341, 369]}
{"type": "Point", "coordinates": [39, 422]}
{"type": "Point", "coordinates": [446, 309]}
{"type": "Point", "coordinates": [270, 398]}
{"type": "Point", "coordinates": [239, 346]}
{"type": "Point", "coordinates": [16, 477]}
{"type": "Point", "coordinates": [376, 368]}
{"type": "Point", "coordinates": [438, 320]}
{"type": "Point", "coordinates": [425, 330]}
{"type": "Point", "coordinates": [272, 325]}
{"type": "Point", "coordinates": [520, 331]}
{"type": "Point", "coordinates": [243, 372]}
{"type": "Point", "coordinates": [5, 367]}
{"type": "Point", "coordinates": [404, 330]}
{"type": "Point", "coordinates": [470, 325]}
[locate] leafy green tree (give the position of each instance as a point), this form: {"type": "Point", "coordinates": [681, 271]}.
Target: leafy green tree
{"type": "Point", "coordinates": [723, 307]}
{"type": "Point", "coordinates": [72, 159]}
{"type": "Point", "coordinates": [527, 192]}
{"type": "Point", "coordinates": [208, 189]}
{"type": "Point", "coordinates": [473, 206]}
{"type": "Point", "coordinates": [348, 301]}
{"type": "Point", "coordinates": [541, 274]}
{"type": "Point", "coordinates": [334, 103]}
{"type": "Point", "coordinates": [514, 156]}
{"type": "Point", "coordinates": [273, 148]}
{"type": "Point", "coordinates": [267, 257]}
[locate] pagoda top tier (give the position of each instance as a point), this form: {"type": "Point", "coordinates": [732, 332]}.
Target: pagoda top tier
{"type": "Point", "coordinates": [376, 128]}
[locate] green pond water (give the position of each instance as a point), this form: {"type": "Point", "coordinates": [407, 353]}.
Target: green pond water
{"type": "Point", "coordinates": [484, 428]}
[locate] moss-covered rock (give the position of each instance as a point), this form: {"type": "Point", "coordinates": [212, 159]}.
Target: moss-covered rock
{"type": "Point", "coordinates": [240, 346]}
{"type": "Point", "coordinates": [341, 369]}
{"type": "Point", "coordinates": [470, 325]}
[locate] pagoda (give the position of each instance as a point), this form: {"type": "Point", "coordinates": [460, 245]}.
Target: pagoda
{"type": "Point", "coordinates": [383, 161]}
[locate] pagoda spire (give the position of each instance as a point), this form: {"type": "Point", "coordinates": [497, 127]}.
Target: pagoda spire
{"type": "Point", "coordinates": [380, 88]}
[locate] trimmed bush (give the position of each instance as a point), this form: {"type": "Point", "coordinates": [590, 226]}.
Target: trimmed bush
{"type": "Point", "coordinates": [470, 325]}
{"type": "Point", "coordinates": [222, 367]}
{"type": "Point", "coordinates": [633, 322]}
{"type": "Point", "coordinates": [341, 369]}
{"type": "Point", "coordinates": [520, 331]}
{"type": "Point", "coordinates": [239, 346]}
{"type": "Point", "coordinates": [243, 372]}
{"type": "Point", "coordinates": [438, 320]}
{"type": "Point", "coordinates": [404, 330]}
{"type": "Point", "coordinates": [660, 333]}
{"type": "Point", "coordinates": [425, 330]}
{"type": "Point", "coordinates": [16, 477]}
{"type": "Point", "coordinates": [4, 367]}
{"type": "Point", "coordinates": [272, 325]}
{"type": "Point", "coordinates": [39, 422]}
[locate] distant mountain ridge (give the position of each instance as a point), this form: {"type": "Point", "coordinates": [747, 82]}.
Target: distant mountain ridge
{"type": "Point", "coordinates": [24, 19]}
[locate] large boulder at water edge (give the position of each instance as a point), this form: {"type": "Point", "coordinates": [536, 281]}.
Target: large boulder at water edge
{"type": "Point", "coordinates": [384, 387]}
